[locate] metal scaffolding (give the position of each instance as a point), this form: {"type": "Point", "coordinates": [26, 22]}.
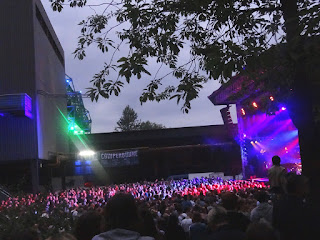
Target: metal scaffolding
{"type": "Point", "coordinates": [77, 115]}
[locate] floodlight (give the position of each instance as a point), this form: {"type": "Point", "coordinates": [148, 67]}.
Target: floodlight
{"type": "Point", "coordinates": [86, 153]}
{"type": "Point", "coordinates": [255, 105]}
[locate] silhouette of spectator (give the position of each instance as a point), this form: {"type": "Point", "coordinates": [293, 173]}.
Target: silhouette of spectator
{"type": "Point", "coordinates": [236, 219]}
{"type": "Point", "coordinates": [197, 228]}
{"type": "Point", "coordinates": [148, 227]}
{"type": "Point", "coordinates": [24, 234]}
{"type": "Point", "coordinates": [122, 219]}
{"type": "Point", "coordinates": [62, 236]}
{"type": "Point", "coordinates": [293, 217]}
{"type": "Point", "coordinates": [261, 231]}
{"type": "Point", "coordinates": [88, 225]}
{"type": "Point", "coordinates": [186, 204]}
{"type": "Point", "coordinates": [263, 210]}
{"type": "Point", "coordinates": [276, 175]}
{"type": "Point", "coordinates": [187, 221]}
{"type": "Point", "coordinates": [174, 231]}
{"type": "Point", "coordinates": [219, 228]}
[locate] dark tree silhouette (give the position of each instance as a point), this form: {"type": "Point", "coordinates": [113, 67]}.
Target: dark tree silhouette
{"type": "Point", "coordinates": [129, 122]}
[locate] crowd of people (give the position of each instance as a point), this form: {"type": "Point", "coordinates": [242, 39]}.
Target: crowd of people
{"type": "Point", "coordinates": [197, 209]}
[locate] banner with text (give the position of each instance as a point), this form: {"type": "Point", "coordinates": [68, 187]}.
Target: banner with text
{"type": "Point", "coordinates": [119, 158]}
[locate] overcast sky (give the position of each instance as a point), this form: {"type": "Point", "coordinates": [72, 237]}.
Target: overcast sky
{"type": "Point", "coordinates": [106, 112]}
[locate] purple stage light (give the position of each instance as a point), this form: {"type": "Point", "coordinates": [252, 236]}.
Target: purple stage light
{"type": "Point", "coordinates": [28, 106]}
{"type": "Point", "coordinates": [277, 136]}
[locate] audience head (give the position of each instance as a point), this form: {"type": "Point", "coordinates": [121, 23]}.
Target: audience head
{"type": "Point", "coordinates": [276, 160]}
{"type": "Point", "coordinates": [217, 216]}
{"type": "Point", "coordinates": [229, 201]}
{"type": "Point", "coordinates": [62, 236]}
{"type": "Point", "coordinates": [121, 212]}
{"type": "Point", "coordinates": [88, 225]}
{"type": "Point", "coordinates": [173, 221]}
{"type": "Point", "coordinates": [25, 235]}
{"type": "Point", "coordinates": [148, 224]}
{"type": "Point", "coordinates": [261, 196]}
{"type": "Point", "coordinates": [260, 231]}
{"type": "Point", "coordinates": [196, 217]}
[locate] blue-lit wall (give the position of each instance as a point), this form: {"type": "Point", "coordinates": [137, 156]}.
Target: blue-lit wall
{"type": "Point", "coordinates": [18, 136]}
{"type": "Point", "coordinates": [29, 62]}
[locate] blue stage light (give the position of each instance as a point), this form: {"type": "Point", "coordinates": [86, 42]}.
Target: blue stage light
{"type": "Point", "coordinates": [77, 163]}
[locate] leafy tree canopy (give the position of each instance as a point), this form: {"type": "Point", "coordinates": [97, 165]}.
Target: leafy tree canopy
{"type": "Point", "coordinates": [150, 125]}
{"type": "Point", "coordinates": [223, 37]}
{"type": "Point", "coordinates": [129, 122]}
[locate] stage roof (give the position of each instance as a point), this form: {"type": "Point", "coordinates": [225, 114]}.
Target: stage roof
{"type": "Point", "coordinates": [160, 138]}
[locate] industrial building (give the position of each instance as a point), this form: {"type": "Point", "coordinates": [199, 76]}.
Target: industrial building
{"type": "Point", "coordinates": [32, 79]}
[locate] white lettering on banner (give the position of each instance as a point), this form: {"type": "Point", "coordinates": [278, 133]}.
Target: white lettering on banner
{"type": "Point", "coordinates": [111, 156]}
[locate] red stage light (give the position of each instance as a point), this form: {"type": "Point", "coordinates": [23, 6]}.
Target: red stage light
{"type": "Point", "coordinates": [271, 98]}
{"type": "Point", "coordinates": [243, 112]}
{"type": "Point", "coordinates": [254, 104]}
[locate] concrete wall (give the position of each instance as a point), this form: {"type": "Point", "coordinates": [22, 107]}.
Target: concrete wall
{"type": "Point", "coordinates": [50, 78]}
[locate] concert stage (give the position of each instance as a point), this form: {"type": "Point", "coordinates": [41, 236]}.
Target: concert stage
{"type": "Point", "coordinates": [260, 135]}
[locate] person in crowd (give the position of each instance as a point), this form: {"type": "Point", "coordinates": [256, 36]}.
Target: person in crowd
{"type": "Point", "coordinates": [198, 227]}
{"type": "Point", "coordinates": [62, 236]}
{"type": "Point", "coordinates": [187, 221]}
{"type": "Point", "coordinates": [27, 234]}
{"type": "Point", "coordinates": [235, 218]}
{"type": "Point", "coordinates": [186, 203]}
{"type": "Point", "coordinates": [88, 225]}
{"type": "Point", "coordinates": [174, 231]}
{"type": "Point", "coordinates": [261, 231]}
{"type": "Point", "coordinates": [148, 226]}
{"type": "Point", "coordinates": [219, 228]}
{"type": "Point", "coordinates": [294, 219]}
{"type": "Point", "coordinates": [201, 201]}
{"type": "Point", "coordinates": [276, 175]}
{"type": "Point", "coordinates": [264, 210]}
{"type": "Point", "coordinates": [122, 221]}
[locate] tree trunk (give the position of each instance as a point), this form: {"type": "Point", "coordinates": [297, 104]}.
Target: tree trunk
{"type": "Point", "coordinates": [300, 108]}
{"type": "Point", "coordinates": [300, 105]}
